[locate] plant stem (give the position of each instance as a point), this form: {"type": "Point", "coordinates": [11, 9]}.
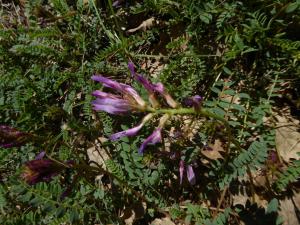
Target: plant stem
{"type": "Point", "coordinates": [202, 112]}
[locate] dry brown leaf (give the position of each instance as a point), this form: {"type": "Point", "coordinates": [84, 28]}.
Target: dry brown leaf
{"type": "Point", "coordinates": [143, 26]}
{"type": "Point", "coordinates": [132, 213]}
{"type": "Point", "coordinates": [289, 209]}
{"type": "Point", "coordinates": [98, 155]}
{"type": "Point", "coordinates": [287, 137]}
{"type": "Point", "coordinates": [163, 221]}
{"type": "Point", "coordinates": [214, 152]}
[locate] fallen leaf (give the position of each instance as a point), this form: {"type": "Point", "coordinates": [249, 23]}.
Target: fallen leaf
{"type": "Point", "coordinates": [287, 137]}
{"type": "Point", "coordinates": [163, 221]}
{"type": "Point", "coordinates": [289, 210]}
{"type": "Point", "coordinates": [144, 25]}
{"type": "Point", "coordinates": [213, 151]}
{"type": "Point", "coordinates": [98, 155]}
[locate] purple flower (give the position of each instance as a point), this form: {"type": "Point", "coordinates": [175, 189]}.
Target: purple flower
{"type": "Point", "coordinates": [152, 88]}
{"type": "Point", "coordinates": [190, 173]}
{"type": "Point", "coordinates": [132, 131]}
{"type": "Point", "coordinates": [194, 101]}
{"type": "Point", "coordinates": [41, 170]}
{"type": "Point", "coordinates": [41, 155]}
{"type": "Point", "coordinates": [11, 137]}
{"type": "Point", "coordinates": [154, 138]}
{"type": "Point", "coordinates": [181, 170]}
{"type": "Point", "coordinates": [126, 133]}
{"type": "Point", "coordinates": [146, 83]}
{"type": "Point", "coordinates": [119, 87]}
{"type": "Point", "coordinates": [127, 100]}
{"type": "Point", "coordinates": [112, 105]}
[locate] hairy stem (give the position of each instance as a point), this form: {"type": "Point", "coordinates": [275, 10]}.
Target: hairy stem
{"type": "Point", "coordinates": [201, 112]}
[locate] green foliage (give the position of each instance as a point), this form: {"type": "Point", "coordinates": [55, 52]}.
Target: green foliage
{"type": "Point", "coordinates": [250, 160]}
{"type": "Point", "coordinates": [115, 169]}
{"type": "Point", "coordinates": [239, 56]}
{"type": "Point", "coordinates": [195, 213]}
{"type": "Point", "coordinates": [221, 219]}
{"type": "Point", "coordinates": [291, 174]}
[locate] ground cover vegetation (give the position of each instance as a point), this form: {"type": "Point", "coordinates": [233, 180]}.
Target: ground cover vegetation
{"type": "Point", "coordinates": [130, 112]}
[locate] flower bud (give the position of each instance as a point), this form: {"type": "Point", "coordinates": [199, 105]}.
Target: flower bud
{"type": "Point", "coordinates": [11, 137]}
{"type": "Point", "coordinates": [41, 170]}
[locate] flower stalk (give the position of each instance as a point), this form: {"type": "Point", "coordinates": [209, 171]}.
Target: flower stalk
{"type": "Point", "coordinates": [127, 100]}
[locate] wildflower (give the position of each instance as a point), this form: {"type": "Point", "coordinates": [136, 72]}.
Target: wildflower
{"type": "Point", "coordinates": [146, 83]}
{"type": "Point", "coordinates": [155, 137]}
{"type": "Point", "coordinates": [189, 172]}
{"type": "Point", "coordinates": [152, 88]}
{"type": "Point", "coordinates": [132, 131]}
{"type": "Point", "coordinates": [194, 101]}
{"type": "Point", "coordinates": [41, 170]}
{"type": "Point", "coordinates": [11, 137]}
{"type": "Point", "coordinates": [191, 175]}
{"type": "Point", "coordinates": [127, 100]}
{"type": "Point", "coordinates": [112, 105]}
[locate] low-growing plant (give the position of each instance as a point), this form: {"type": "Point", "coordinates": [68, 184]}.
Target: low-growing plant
{"type": "Point", "coordinates": [178, 118]}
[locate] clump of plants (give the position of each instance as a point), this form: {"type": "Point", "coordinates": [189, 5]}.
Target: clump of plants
{"type": "Point", "coordinates": [119, 111]}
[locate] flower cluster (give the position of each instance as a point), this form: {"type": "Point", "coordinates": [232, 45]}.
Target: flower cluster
{"type": "Point", "coordinates": [126, 100]}
{"type": "Point", "coordinates": [42, 170]}
{"type": "Point", "coordinates": [153, 89]}
{"type": "Point", "coordinates": [11, 137]}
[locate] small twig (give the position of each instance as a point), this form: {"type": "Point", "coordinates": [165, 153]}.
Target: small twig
{"type": "Point", "coordinates": [221, 200]}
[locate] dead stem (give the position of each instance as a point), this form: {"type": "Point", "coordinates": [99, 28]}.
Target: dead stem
{"type": "Point", "coordinates": [220, 201]}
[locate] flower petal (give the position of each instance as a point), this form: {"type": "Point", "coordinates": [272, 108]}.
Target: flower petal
{"type": "Point", "coordinates": [132, 93]}
{"type": "Point", "coordinates": [40, 155]}
{"type": "Point", "coordinates": [191, 175]}
{"type": "Point", "coordinates": [129, 133]}
{"type": "Point", "coordinates": [101, 94]}
{"type": "Point", "coordinates": [154, 138]}
{"type": "Point", "coordinates": [146, 83]}
{"type": "Point", "coordinates": [112, 101]}
{"type": "Point", "coordinates": [194, 101]}
{"type": "Point", "coordinates": [132, 131]}
{"type": "Point", "coordinates": [111, 105]}
{"type": "Point", "coordinates": [110, 109]}
{"type": "Point", "coordinates": [131, 68]}
{"type": "Point", "coordinates": [152, 88]}
{"type": "Point", "coordinates": [122, 88]}
{"type": "Point", "coordinates": [39, 170]}
{"type": "Point", "coordinates": [108, 82]}
{"type": "Point", "coordinates": [181, 170]}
